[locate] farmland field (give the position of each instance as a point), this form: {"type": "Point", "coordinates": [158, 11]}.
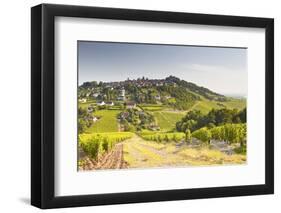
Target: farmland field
{"type": "Point", "coordinates": [85, 105]}
{"type": "Point", "coordinates": [206, 105]}
{"type": "Point", "coordinates": [151, 107]}
{"type": "Point", "coordinates": [236, 103]}
{"type": "Point", "coordinates": [106, 123]}
{"type": "Point", "coordinates": [167, 120]}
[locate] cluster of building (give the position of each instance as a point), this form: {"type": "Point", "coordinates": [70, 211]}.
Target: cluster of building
{"type": "Point", "coordinates": [95, 92]}
{"type": "Point", "coordinates": [141, 82]}
{"type": "Point", "coordinates": [102, 103]}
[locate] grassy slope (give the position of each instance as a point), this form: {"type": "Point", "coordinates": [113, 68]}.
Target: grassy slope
{"type": "Point", "coordinates": [85, 105]}
{"type": "Point", "coordinates": [205, 105]}
{"type": "Point", "coordinates": [107, 122]}
{"type": "Point", "coordinates": [167, 120]}
{"type": "Point", "coordinates": [236, 103]}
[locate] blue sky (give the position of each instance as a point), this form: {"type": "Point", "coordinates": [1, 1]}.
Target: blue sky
{"type": "Point", "coordinates": [223, 70]}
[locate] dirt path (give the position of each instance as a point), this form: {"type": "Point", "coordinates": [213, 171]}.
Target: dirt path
{"type": "Point", "coordinates": [112, 160]}
{"type": "Point", "coordinates": [139, 153]}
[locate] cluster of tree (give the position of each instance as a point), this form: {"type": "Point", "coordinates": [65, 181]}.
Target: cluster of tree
{"type": "Point", "coordinates": [142, 95]}
{"type": "Point", "coordinates": [203, 134]}
{"type": "Point", "coordinates": [195, 119]}
{"type": "Point", "coordinates": [83, 120]}
{"type": "Point", "coordinates": [133, 119]}
{"type": "Point", "coordinates": [108, 94]}
{"type": "Point", "coordinates": [183, 99]}
{"type": "Point", "coordinates": [91, 84]}
{"type": "Point", "coordinates": [231, 133]}
{"type": "Point", "coordinates": [197, 89]}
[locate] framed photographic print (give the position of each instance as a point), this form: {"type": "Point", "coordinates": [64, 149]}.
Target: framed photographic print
{"type": "Point", "coordinates": [139, 106]}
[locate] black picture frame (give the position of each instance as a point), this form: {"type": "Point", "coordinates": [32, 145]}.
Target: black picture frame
{"type": "Point", "coordinates": [43, 110]}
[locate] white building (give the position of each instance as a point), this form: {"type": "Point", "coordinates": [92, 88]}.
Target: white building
{"type": "Point", "coordinates": [110, 103]}
{"type": "Point", "coordinates": [83, 100]}
{"type": "Point", "coordinates": [130, 105]}
{"type": "Point", "coordinates": [101, 103]}
{"type": "Point", "coordinates": [123, 92]}
{"type": "Point", "coordinates": [95, 95]}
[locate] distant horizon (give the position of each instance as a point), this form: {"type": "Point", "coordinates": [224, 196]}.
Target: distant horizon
{"type": "Point", "coordinates": [221, 70]}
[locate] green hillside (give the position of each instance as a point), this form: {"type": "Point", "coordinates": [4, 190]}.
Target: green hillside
{"type": "Point", "coordinates": [107, 122]}
{"type": "Point", "coordinates": [167, 120]}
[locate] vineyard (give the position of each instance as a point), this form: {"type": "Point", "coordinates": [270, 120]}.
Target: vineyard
{"type": "Point", "coordinates": [231, 133]}
{"type": "Point", "coordinates": [97, 144]}
{"type": "Point", "coordinates": [162, 137]}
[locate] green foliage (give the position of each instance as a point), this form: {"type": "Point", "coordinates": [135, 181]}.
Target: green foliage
{"type": "Point", "coordinates": [205, 105]}
{"type": "Point", "coordinates": [151, 107]}
{"type": "Point", "coordinates": [161, 137]}
{"type": "Point", "coordinates": [187, 135]}
{"type": "Point", "coordinates": [196, 119]}
{"type": "Point", "coordinates": [241, 150]}
{"type": "Point", "coordinates": [84, 120]}
{"type": "Point", "coordinates": [134, 119]}
{"type": "Point", "coordinates": [231, 133]}
{"type": "Point", "coordinates": [81, 125]}
{"type": "Point", "coordinates": [89, 84]}
{"type": "Point", "coordinates": [107, 121]}
{"type": "Point", "coordinates": [196, 89]}
{"type": "Point", "coordinates": [218, 133]}
{"type": "Point", "coordinates": [181, 99]}
{"type": "Point", "coordinates": [167, 120]}
{"type": "Point", "coordinates": [235, 133]}
{"type": "Point", "coordinates": [202, 134]}
{"type": "Point", "coordinates": [98, 143]}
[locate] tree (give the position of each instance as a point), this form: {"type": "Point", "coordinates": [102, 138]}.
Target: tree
{"type": "Point", "coordinates": [217, 133]}
{"type": "Point", "coordinates": [243, 115]}
{"type": "Point", "coordinates": [202, 134]}
{"type": "Point", "coordinates": [81, 126]}
{"type": "Point", "coordinates": [216, 117]}
{"type": "Point", "coordinates": [187, 136]}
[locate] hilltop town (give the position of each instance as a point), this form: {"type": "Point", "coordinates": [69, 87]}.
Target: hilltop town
{"type": "Point", "coordinates": [171, 90]}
